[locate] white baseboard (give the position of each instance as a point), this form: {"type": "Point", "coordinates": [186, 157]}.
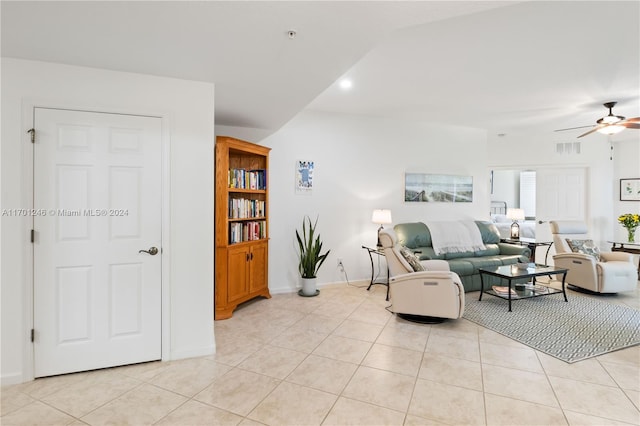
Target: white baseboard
{"type": "Point", "coordinates": [11, 379]}
{"type": "Point", "coordinates": [320, 286]}
{"type": "Point", "coordinates": [193, 353]}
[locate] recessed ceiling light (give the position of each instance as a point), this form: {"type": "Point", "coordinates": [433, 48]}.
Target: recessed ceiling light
{"type": "Point", "coordinates": [346, 84]}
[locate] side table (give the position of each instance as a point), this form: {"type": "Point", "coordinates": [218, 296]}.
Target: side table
{"type": "Point", "coordinates": [532, 244]}
{"type": "Point", "coordinates": [382, 281]}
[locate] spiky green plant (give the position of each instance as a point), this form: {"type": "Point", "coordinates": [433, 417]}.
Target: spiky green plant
{"type": "Point", "coordinates": [310, 248]}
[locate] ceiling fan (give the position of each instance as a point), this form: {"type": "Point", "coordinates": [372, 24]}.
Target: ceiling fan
{"type": "Point", "coordinates": [610, 124]}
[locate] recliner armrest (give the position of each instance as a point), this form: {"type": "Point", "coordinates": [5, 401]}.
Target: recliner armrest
{"type": "Point", "coordinates": [612, 256]}
{"type": "Point", "coordinates": [577, 256]}
{"type": "Point", "coordinates": [436, 265]}
{"type": "Point", "coordinates": [422, 275]}
{"type": "Point", "coordinates": [432, 293]}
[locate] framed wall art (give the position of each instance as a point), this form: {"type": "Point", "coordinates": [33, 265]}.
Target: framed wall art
{"type": "Point", "coordinates": [422, 187]}
{"type": "Point", "coordinates": [304, 176]}
{"type": "Point", "coordinates": [630, 189]}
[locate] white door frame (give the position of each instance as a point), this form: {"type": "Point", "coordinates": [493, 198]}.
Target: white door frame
{"type": "Point", "coordinates": [28, 112]}
{"type": "Point", "coordinates": [537, 167]}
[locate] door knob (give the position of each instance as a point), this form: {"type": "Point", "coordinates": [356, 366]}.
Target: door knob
{"type": "Point", "coordinates": [152, 251]}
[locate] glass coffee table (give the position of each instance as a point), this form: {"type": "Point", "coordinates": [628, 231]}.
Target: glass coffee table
{"type": "Point", "coordinates": [522, 291]}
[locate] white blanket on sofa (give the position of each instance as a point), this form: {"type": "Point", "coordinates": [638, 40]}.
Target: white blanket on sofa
{"type": "Point", "coordinates": [455, 236]}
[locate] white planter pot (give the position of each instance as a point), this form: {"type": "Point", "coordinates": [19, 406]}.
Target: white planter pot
{"type": "Point", "coordinates": [308, 287]}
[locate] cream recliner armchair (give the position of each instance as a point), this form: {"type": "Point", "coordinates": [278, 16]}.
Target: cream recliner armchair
{"type": "Point", "coordinates": [424, 296]}
{"type": "Point", "coordinates": [613, 273]}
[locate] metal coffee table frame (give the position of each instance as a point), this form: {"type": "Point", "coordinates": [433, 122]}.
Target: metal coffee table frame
{"type": "Point", "coordinates": [510, 273]}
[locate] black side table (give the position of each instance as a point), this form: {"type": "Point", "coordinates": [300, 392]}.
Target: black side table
{"type": "Point", "coordinates": [532, 244]}
{"type": "Point", "coordinates": [382, 281]}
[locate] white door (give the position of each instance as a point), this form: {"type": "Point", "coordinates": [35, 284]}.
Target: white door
{"type": "Point", "coordinates": [97, 203]}
{"type": "Point", "coordinates": [560, 195]}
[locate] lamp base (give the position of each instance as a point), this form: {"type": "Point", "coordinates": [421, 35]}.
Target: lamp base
{"type": "Point", "coordinates": [515, 231]}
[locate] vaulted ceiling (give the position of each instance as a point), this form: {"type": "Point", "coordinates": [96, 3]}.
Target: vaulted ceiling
{"type": "Point", "coordinates": [504, 66]}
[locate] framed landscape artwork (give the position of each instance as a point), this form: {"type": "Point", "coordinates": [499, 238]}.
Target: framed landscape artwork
{"type": "Point", "coordinates": [630, 189]}
{"type": "Point", "coordinates": [422, 187]}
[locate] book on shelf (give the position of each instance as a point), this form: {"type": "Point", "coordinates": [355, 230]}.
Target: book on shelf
{"type": "Point", "coordinates": [247, 231]}
{"type": "Point", "coordinates": [504, 290]}
{"type": "Point", "coordinates": [247, 179]}
{"type": "Point", "coordinates": [241, 208]}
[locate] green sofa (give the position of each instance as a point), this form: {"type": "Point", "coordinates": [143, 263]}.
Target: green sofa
{"type": "Point", "coordinates": [416, 236]}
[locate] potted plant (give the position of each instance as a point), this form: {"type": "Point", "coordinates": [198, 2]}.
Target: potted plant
{"type": "Point", "coordinates": [630, 221]}
{"type": "Point", "coordinates": [311, 259]}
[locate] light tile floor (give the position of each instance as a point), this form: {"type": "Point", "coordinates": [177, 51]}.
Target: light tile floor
{"type": "Point", "coordinates": [342, 358]}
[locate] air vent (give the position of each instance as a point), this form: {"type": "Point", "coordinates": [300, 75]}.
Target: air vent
{"type": "Point", "coordinates": [568, 148]}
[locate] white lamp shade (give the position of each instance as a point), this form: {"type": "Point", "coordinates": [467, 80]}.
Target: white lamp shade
{"type": "Point", "coordinates": [515, 214]}
{"type": "Point", "coordinates": [382, 217]}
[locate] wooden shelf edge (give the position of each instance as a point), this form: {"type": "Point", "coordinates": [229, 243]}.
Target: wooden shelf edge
{"type": "Point", "coordinates": [247, 191]}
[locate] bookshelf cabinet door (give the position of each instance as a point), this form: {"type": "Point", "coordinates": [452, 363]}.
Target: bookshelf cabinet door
{"type": "Point", "coordinates": [258, 268]}
{"type": "Point", "coordinates": [238, 273]}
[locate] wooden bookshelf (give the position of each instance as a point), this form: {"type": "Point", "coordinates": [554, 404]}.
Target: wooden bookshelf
{"type": "Point", "coordinates": [241, 224]}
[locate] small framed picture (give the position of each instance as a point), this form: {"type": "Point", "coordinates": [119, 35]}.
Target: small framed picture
{"type": "Point", "coordinates": [304, 176]}
{"type": "Point", "coordinates": [630, 189]}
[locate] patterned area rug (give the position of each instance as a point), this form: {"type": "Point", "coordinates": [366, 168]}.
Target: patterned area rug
{"type": "Point", "coordinates": [571, 331]}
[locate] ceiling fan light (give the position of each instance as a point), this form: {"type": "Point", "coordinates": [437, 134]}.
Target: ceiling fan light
{"type": "Point", "coordinates": [611, 129]}
{"type": "Point", "coordinates": [610, 119]}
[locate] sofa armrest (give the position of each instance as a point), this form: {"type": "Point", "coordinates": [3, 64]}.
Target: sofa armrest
{"type": "Point", "coordinates": [506, 248]}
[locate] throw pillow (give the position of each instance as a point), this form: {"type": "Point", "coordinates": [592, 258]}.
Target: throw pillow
{"type": "Point", "coordinates": [584, 247]}
{"type": "Point", "coordinates": [411, 259]}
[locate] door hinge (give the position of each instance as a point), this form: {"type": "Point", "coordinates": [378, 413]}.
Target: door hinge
{"type": "Point", "coordinates": [33, 335]}
{"type": "Point", "coordinates": [33, 235]}
{"type": "Point", "coordinates": [33, 135]}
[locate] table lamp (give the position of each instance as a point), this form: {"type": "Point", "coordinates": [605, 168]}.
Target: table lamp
{"type": "Point", "coordinates": [381, 217]}
{"type": "Point", "coordinates": [515, 215]}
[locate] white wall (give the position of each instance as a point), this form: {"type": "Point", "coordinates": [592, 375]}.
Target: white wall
{"type": "Point", "coordinates": [603, 207]}
{"type": "Point", "coordinates": [188, 108]}
{"type": "Point", "coordinates": [245, 133]}
{"type": "Point", "coordinates": [626, 165]}
{"type": "Point", "coordinates": [506, 187]}
{"type": "Point", "coordinates": [359, 166]}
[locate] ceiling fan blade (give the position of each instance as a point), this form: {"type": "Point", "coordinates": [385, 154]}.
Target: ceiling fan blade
{"type": "Point", "coordinates": [631, 125]}
{"type": "Point", "coordinates": [633, 120]}
{"type": "Point", "coordinates": [572, 128]}
{"type": "Point", "coordinates": [595, 129]}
